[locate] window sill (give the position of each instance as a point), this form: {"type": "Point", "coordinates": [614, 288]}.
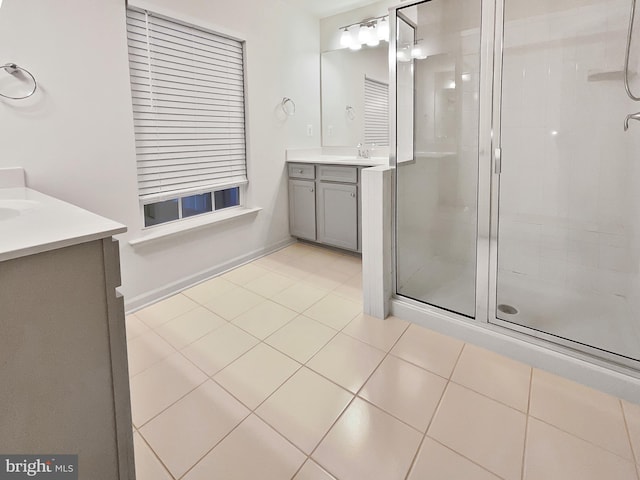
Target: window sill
{"type": "Point", "coordinates": [188, 225]}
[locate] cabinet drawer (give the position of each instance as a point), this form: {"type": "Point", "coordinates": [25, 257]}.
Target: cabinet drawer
{"type": "Point", "coordinates": [331, 173]}
{"type": "Point", "coordinates": [302, 170]}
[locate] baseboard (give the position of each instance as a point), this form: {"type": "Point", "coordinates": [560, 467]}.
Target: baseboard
{"type": "Point", "coordinates": [140, 301]}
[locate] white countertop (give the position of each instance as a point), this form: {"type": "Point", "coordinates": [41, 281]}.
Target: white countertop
{"type": "Point", "coordinates": [340, 160]}
{"type": "Point", "coordinates": [32, 222]}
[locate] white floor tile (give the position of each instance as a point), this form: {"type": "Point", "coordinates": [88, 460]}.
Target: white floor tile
{"type": "Point", "coordinates": [252, 451]}
{"type": "Point", "coordinates": [162, 385]}
{"type": "Point", "coordinates": [187, 430]}
{"type": "Point", "coordinates": [494, 375]}
{"type": "Point", "coordinates": [304, 408]}
{"type": "Point", "coordinates": [428, 349]}
{"type": "Point", "coordinates": [439, 462]}
{"type": "Point", "coordinates": [190, 326]}
{"type": "Point", "coordinates": [219, 348]}
{"type": "Point", "coordinates": [234, 303]}
{"type": "Point", "coordinates": [148, 466]}
{"type": "Point", "coordinates": [334, 311]}
{"type": "Point", "coordinates": [206, 291]}
{"type": "Point", "coordinates": [165, 310]}
{"type": "Point", "coordinates": [256, 375]}
{"type": "Point", "coordinates": [483, 430]}
{"type": "Point", "coordinates": [382, 334]}
{"type": "Point", "coordinates": [555, 455]}
{"type": "Point", "coordinates": [146, 350]}
{"type": "Point", "coordinates": [301, 338]}
{"type": "Point", "coordinates": [264, 319]}
{"type": "Point", "coordinates": [135, 327]}
{"type": "Point", "coordinates": [202, 428]}
{"type": "Point", "coordinates": [312, 471]}
{"type": "Point", "coordinates": [299, 296]}
{"type": "Point", "coordinates": [366, 443]}
{"type": "Point", "coordinates": [405, 391]}
{"type": "Point", "coordinates": [346, 361]}
{"type": "Point", "coordinates": [567, 404]}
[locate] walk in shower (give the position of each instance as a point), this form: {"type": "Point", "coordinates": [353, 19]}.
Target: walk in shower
{"type": "Point", "coordinates": [517, 187]}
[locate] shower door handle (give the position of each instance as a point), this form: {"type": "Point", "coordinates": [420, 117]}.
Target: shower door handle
{"type": "Point", "coordinates": [497, 160]}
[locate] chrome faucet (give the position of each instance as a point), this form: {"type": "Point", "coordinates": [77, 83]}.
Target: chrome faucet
{"type": "Point", "coordinates": [631, 116]}
{"type": "Point", "coordinates": [363, 151]}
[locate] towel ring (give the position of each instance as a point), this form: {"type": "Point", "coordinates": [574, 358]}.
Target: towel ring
{"type": "Point", "coordinates": [288, 106]}
{"type": "Point", "coordinates": [12, 69]}
{"type": "Point", "coordinates": [351, 112]}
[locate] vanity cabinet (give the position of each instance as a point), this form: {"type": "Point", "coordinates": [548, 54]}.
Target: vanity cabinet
{"type": "Point", "coordinates": [65, 385]}
{"type": "Point", "coordinates": [324, 204]}
{"type": "Point", "coordinates": [63, 350]}
{"type": "Point", "coordinates": [302, 209]}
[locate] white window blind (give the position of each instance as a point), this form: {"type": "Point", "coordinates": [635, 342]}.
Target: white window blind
{"type": "Point", "coordinates": [376, 112]}
{"type": "Point", "coordinates": [187, 89]}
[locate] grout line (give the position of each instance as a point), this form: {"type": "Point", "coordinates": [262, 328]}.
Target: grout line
{"type": "Point", "coordinates": [438, 406]}
{"type": "Point", "coordinates": [172, 404]}
{"type": "Point", "coordinates": [526, 426]}
{"type": "Point", "coordinates": [465, 457]}
{"type": "Point", "coordinates": [217, 443]}
{"type": "Point", "coordinates": [433, 416]}
{"type": "Point", "coordinates": [604, 449]}
{"type": "Point", "coordinates": [156, 455]}
{"type": "Point", "coordinates": [635, 458]}
{"type": "Point", "coordinates": [467, 387]}
{"type": "Point", "coordinates": [310, 456]}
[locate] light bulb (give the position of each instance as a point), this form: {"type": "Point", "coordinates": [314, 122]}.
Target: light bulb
{"type": "Point", "coordinates": [354, 42]}
{"type": "Point", "coordinates": [345, 38]}
{"type": "Point", "coordinates": [383, 30]}
{"type": "Point", "coordinates": [373, 40]}
{"type": "Point", "coordinates": [363, 34]}
{"type": "Point", "coordinates": [404, 54]}
{"type": "Point", "coordinates": [418, 51]}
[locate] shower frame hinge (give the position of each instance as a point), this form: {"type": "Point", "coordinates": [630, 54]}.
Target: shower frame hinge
{"type": "Point", "coordinates": [497, 160]}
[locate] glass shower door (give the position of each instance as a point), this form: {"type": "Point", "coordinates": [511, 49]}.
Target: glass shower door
{"type": "Point", "coordinates": [569, 190]}
{"type": "Point", "coordinates": [437, 70]}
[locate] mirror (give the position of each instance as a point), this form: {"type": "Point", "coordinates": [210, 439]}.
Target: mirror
{"type": "Point", "coordinates": [343, 74]}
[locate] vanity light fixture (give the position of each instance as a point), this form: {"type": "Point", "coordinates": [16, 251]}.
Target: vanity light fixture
{"type": "Point", "coordinates": [409, 51]}
{"type": "Point", "coordinates": [367, 32]}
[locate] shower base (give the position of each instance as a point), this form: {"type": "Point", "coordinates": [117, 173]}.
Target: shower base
{"type": "Point", "coordinates": [599, 320]}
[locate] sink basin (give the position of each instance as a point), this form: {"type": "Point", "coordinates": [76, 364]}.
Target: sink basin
{"type": "Point", "coordinates": [8, 213]}
{"type": "Point", "coordinates": [13, 207]}
{"type": "Point", "coordinates": [17, 204]}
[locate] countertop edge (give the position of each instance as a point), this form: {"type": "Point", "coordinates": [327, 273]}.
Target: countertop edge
{"type": "Point", "coordinates": [67, 242]}
{"type": "Point", "coordinates": [346, 163]}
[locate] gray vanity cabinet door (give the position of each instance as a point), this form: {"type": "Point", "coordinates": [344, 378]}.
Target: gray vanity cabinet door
{"type": "Point", "coordinates": [302, 209]}
{"type": "Point", "coordinates": [338, 215]}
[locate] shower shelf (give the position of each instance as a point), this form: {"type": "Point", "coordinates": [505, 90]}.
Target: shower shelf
{"type": "Point", "coordinates": [607, 75]}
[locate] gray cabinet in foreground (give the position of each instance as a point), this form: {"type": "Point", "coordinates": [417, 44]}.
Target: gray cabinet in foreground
{"type": "Point", "coordinates": [324, 204]}
{"type": "Point", "coordinates": [64, 375]}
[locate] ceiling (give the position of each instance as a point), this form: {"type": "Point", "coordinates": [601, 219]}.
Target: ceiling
{"type": "Point", "coordinates": [326, 8]}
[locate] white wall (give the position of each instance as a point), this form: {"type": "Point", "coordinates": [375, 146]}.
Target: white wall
{"type": "Point", "coordinates": [75, 136]}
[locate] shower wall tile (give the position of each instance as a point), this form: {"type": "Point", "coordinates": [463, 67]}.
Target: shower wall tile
{"type": "Point", "coordinates": [576, 182]}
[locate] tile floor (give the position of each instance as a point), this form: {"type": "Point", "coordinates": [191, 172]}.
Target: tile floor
{"type": "Point", "coordinates": [272, 372]}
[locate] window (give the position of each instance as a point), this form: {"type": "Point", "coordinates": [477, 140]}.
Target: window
{"type": "Point", "coordinates": [187, 88]}
{"type": "Point", "coordinates": [376, 112]}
